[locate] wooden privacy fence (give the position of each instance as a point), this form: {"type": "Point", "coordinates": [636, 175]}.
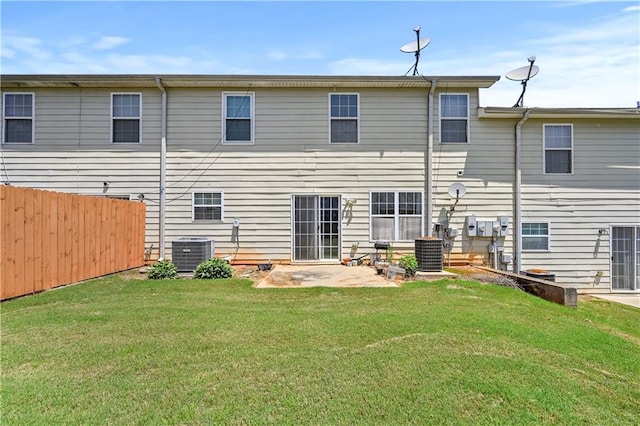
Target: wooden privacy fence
{"type": "Point", "coordinates": [49, 239]}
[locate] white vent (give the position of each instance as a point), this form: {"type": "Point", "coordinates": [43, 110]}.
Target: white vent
{"type": "Point", "coordinates": [188, 252]}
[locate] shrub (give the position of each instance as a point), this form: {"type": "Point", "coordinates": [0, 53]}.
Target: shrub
{"type": "Point", "coordinates": [409, 263]}
{"type": "Point", "coordinates": [390, 254]}
{"type": "Point", "coordinates": [164, 269]}
{"type": "Point", "coordinates": [213, 268]}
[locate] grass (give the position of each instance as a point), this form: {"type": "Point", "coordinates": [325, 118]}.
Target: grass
{"type": "Point", "coordinates": [117, 351]}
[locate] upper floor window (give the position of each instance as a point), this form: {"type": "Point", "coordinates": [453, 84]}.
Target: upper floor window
{"type": "Point", "coordinates": [396, 215]}
{"type": "Point", "coordinates": [238, 117]}
{"type": "Point", "coordinates": [126, 112]}
{"type": "Point", "coordinates": [18, 117]}
{"type": "Point", "coordinates": [535, 236]}
{"type": "Point", "coordinates": [344, 114]}
{"type": "Point", "coordinates": [207, 206]}
{"type": "Point", "coordinates": [454, 118]}
{"type": "Point", "coordinates": [558, 148]}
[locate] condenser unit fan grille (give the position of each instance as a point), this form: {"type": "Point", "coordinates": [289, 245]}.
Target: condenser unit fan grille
{"type": "Point", "coordinates": [188, 253]}
{"type": "Point", "coordinates": [429, 254]}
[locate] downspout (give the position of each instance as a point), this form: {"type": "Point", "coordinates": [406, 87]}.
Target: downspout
{"type": "Point", "coordinates": [428, 162]}
{"type": "Point", "coordinates": [163, 168]}
{"type": "Point", "coordinates": [517, 199]}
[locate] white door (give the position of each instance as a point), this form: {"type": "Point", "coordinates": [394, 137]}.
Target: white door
{"type": "Point", "coordinates": [316, 228]}
{"type": "Point", "coordinates": [625, 257]}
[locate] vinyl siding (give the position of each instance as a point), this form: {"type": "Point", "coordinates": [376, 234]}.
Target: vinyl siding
{"type": "Point", "coordinates": [604, 189]}
{"type": "Point", "coordinates": [291, 156]}
{"type": "Point", "coordinates": [73, 153]}
{"type": "Point", "coordinates": [486, 163]}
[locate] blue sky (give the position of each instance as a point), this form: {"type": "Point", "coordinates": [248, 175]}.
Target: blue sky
{"type": "Point", "coordinates": [588, 52]}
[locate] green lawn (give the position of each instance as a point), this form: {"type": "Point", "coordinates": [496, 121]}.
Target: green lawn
{"type": "Point", "coordinates": [116, 351]}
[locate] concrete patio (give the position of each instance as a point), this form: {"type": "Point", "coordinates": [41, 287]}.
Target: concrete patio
{"type": "Point", "coordinates": [287, 276]}
{"type": "Point", "coordinates": [627, 299]}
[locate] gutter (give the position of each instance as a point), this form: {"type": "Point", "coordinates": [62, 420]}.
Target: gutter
{"type": "Point", "coordinates": [163, 170]}
{"type": "Point", "coordinates": [517, 199]}
{"type": "Point", "coordinates": [428, 162]}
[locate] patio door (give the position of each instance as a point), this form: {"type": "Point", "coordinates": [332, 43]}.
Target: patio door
{"type": "Point", "coordinates": [625, 257]}
{"type": "Point", "coordinates": [316, 228]}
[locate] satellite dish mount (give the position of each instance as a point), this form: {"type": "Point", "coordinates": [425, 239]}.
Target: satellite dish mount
{"type": "Point", "coordinates": [415, 47]}
{"type": "Point", "coordinates": [457, 191]}
{"type": "Point", "coordinates": [523, 75]}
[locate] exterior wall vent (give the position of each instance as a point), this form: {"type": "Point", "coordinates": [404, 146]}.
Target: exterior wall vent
{"type": "Point", "coordinates": [188, 252]}
{"type": "Point", "coordinates": [429, 254]}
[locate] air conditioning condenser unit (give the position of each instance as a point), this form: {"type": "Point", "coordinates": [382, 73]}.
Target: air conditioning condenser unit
{"type": "Point", "coordinates": [188, 252]}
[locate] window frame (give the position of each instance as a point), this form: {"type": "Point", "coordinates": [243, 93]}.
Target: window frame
{"type": "Point", "coordinates": [544, 149]}
{"type": "Point", "coordinates": [523, 236]}
{"type": "Point", "coordinates": [139, 118]}
{"type": "Point", "coordinates": [356, 118]}
{"type": "Point", "coordinates": [5, 118]}
{"type": "Point", "coordinates": [252, 118]}
{"type": "Point", "coordinates": [443, 118]}
{"type": "Point", "coordinates": [396, 213]}
{"type": "Point", "coordinates": [193, 206]}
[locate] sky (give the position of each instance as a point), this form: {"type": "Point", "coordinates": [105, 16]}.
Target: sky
{"type": "Point", "coordinates": [588, 51]}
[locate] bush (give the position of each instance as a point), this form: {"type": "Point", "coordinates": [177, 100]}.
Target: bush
{"type": "Point", "coordinates": [213, 268]}
{"type": "Point", "coordinates": [162, 270]}
{"type": "Point", "coordinates": [409, 263]}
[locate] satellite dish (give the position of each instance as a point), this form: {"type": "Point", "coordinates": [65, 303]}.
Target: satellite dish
{"type": "Point", "coordinates": [523, 75]}
{"type": "Point", "coordinates": [457, 190]}
{"type": "Point", "coordinates": [415, 47]}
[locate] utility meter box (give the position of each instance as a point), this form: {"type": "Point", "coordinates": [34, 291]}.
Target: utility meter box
{"type": "Point", "coordinates": [483, 231]}
{"type": "Point", "coordinates": [471, 226]}
{"type": "Point", "coordinates": [504, 226]}
{"type": "Point", "coordinates": [487, 228]}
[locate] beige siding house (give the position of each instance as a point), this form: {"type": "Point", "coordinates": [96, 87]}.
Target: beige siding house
{"type": "Point", "coordinates": [301, 168]}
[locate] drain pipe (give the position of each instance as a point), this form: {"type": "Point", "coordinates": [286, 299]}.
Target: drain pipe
{"type": "Point", "coordinates": [517, 199]}
{"type": "Point", "coordinates": [163, 169]}
{"type": "Point", "coordinates": [428, 162]}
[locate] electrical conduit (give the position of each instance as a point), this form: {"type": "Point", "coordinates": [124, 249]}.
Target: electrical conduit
{"type": "Point", "coordinates": [517, 200]}
{"type": "Point", "coordinates": [163, 169]}
{"type": "Point", "coordinates": [428, 162]}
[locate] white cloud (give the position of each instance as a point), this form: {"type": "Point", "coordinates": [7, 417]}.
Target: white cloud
{"type": "Point", "coordinates": [277, 55]}
{"type": "Point", "coordinates": [363, 66]}
{"type": "Point", "coordinates": [590, 65]}
{"type": "Point", "coordinates": [30, 46]}
{"type": "Point", "coordinates": [281, 55]}
{"type": "Point", "coordinates": [109, 42]}
{"type": "Point", "coordinates": [7, 53]}
{"type": "Point", "coordinates": [595, 65]}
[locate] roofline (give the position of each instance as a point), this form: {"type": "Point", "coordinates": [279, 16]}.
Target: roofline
{"type": "Point", "coordinates": [518, 112]}
{"type": "Point", "coordinates": [222, 81]}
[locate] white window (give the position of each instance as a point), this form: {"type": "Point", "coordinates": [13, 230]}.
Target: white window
{"type": "Point", "coordinates": [207, 206]}
{"type": "Point", "coordinates": [535, 236]}
{"type": "Point", "coordinates": [454, 118]}
{"type": "Point", "coordinates": [558, 148]}
{"type": "Point", "coordinates": [344, 117]}
{"type": "Point", "coordinates": [396, 215]}
{"type": "Point", "coordinates": [18, 117]}
{"type": "Point", "coordinates": [238, 116]}
{"type": "Point", "coordinates": [126, 114]}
